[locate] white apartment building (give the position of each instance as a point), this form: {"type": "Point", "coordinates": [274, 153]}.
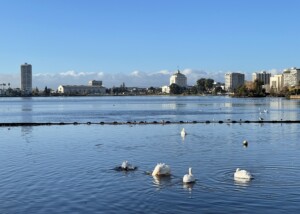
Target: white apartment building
{"type": "Point", "coordinates": [165, 89]}
{"type": "Point", "coordinates": [179, 79]}
{"type": "Point", "coordinates": [276, 82]}
{"type": "Point", "coordinates": [26, 79]}
{"type": "Point", "coordinates": [262, 76]}
{"type": "Point", "coordinates": [291, 77]}
{"type": "Point", "coordinates": [233, 81]}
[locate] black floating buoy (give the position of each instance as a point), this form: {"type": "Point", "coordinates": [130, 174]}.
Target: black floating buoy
{"type": "Point", "coordinates": [167, 122]}
{"type": "Point", "coordinates": [207, 121]}
{"type": "Point", "coordinates": [115, 122]}
{"type": "Point", "coordinates": [102, 123]}
{"type": "Point", "coordinates": [75, 123]}
{"type": "Point", "coordinates": [154, 122]}
{"type": "Point", "coordinates": [88, 123]}
{"type": "Point", "coordinates": [221, 121]}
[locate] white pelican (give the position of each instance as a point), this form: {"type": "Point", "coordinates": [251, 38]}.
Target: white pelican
{"type": "Point", "coordinates": [188, 178]}
{"type": "Point", "coordinates": [127, 166]}
{"type": "Point", "coordinates": [242, 174]}
{"type": "Point", "coordinates": [161, 169]}
{"type": "Point", "coordinates": [183, 133]}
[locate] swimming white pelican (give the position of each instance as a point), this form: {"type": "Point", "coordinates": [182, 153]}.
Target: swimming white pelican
{"type": "Point", "coordinates": [161, 169]}
{"type": "Point", "coordinates": [242, 174]}
{"type": "Point", "coordinates": [188, 178]}
{"type": "Point", "coordinates": [127, 166]}
{"type": "Point", "coordinates": [183, 133]}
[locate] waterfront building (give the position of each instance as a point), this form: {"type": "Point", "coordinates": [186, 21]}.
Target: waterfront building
{"type": "Point", "coordinates": [291, 77]}
{"type": "Point", "coordinates": [233, 81]}
{"type": "Point", "coordinates": [262, 76]}
{"type": "Point", "coordinates": [26, 79]}
{"type": "Point", "coordinates": [165, 89]}
{"type": "Point", "coordinates": [93, 88]}
{"type": "Point", "coordinates": [95, 83]}
{"type": "Point", "coordinates": [276, 83]}
{"type": "Point", "coordinates": [178, 79]}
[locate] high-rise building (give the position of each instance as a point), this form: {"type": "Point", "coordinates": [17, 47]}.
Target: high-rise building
{"type": "Point", "coordinates": [179, 79]}
{"type": "Point", "coordinates": [233, 81]}
{"type": "Point", "coordinates": [291, 77]}
{"type": "Point", "coordinates": [26, 79]}
{"type": "Point", "coordinates": [276, 82]}
{"type": "Point", "coordinates": [262, 76]}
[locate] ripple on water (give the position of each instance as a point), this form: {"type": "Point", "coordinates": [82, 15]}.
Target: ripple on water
{"type": "Point", "coordinates": [274, 177]}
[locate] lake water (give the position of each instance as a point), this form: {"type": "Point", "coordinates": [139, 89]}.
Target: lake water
{"type": "Point", "coordinates": [70, 169]}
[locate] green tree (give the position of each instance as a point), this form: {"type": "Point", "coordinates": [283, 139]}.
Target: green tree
{"type": "Point", "coordinates": [209, 83]}
{"type": "Point", "coordinates": [257, 87]}
{"type": "Point", "coordinates": [175, 89]}
{"type": "Point", "coordinates": [201, 85]}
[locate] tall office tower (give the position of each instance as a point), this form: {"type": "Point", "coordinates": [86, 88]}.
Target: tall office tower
{"type": "Point", "coordinates": [26, 79]}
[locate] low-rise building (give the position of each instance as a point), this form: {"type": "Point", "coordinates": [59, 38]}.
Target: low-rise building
{"type": "Point", "coordinates": [165, 89]}
{"type": "Point", "coordinates": [90, 89]}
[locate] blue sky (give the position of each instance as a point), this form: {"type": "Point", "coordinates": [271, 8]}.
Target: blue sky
{"type": "Point", "coordinates": [120, 37]}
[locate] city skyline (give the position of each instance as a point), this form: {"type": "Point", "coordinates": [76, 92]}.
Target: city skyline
{"type": "Point", "coordinates": [146, 39]}
{"type": "Point", "coordinates": [133, 79]}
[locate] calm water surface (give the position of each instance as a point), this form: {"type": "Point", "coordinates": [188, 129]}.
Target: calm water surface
{"type": "Point", "coordinates": [69, 169]}
{"type": "Point", "coordinates": [148, 108]}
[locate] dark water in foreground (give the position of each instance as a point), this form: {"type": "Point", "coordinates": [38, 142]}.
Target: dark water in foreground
{"type": "Point", "coordinates": [69, 169]}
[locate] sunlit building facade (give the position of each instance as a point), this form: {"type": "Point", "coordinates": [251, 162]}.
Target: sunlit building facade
{"type": "Point", "coordinates": [233, 81]}
{"type": "Point", "coordinates": [178, 79]}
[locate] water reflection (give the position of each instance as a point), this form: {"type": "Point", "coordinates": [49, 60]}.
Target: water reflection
{"type": "Point", "coordinates": [174, 106]}
{"type": "Point", "coordinates": [26, 117]}
{"type": "Point", "coordinates": [189, 188]}
{"type": "Point", "coordinates": [161, 181]}
{"type": "Point", "coordinates": [242, 182]}
{"type": "Point", "coordinates": [27, 109]}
